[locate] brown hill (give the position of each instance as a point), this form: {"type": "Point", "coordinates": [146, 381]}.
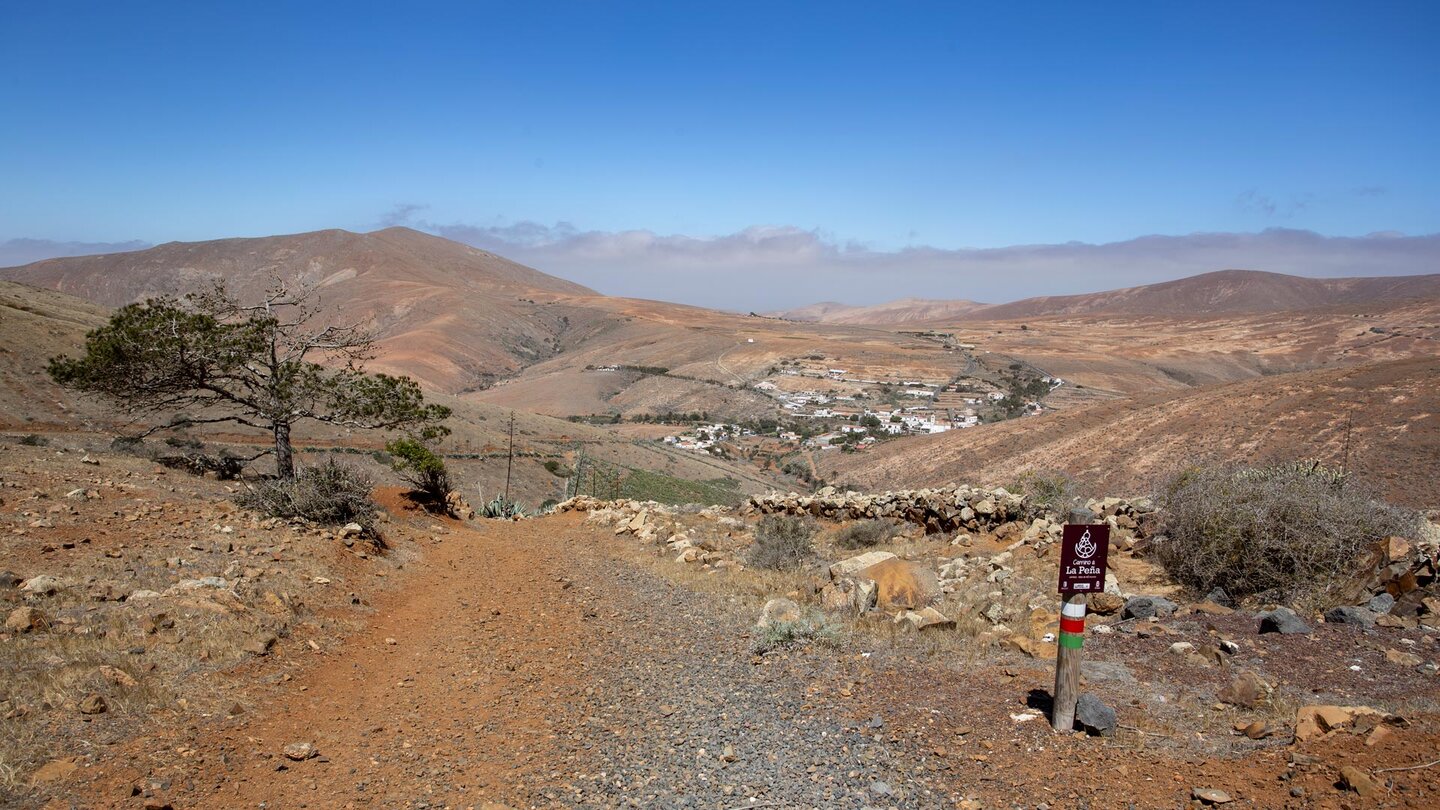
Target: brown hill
{"type": "Point", "coordinates": [37, 324]}
{"type": "Point", "coordinates": [450, 315]}
{"type": "Point", "coordinates": [1224, 292]}
{"type": "Point", "coordinates": [1390, 410]}
{"type": "Point", "coordinates": [460, 320]}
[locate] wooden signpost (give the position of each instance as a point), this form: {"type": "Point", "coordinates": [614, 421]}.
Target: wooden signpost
{"type": "Point", "coordinates": [1083, 550]}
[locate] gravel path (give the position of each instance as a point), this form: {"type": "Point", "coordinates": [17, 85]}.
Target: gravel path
{"type": "Point", "coordinates": [522, 664]}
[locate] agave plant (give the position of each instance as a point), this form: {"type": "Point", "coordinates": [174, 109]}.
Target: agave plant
{"type": "Point", "coordinates": [501, 508]}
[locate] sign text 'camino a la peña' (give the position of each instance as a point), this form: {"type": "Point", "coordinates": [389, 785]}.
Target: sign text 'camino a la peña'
{"type": "Point", "coordinates": [1083, 549]}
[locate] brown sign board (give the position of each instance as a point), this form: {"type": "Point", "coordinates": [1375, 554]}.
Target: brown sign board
{"type": "Point", "coordinates": [1083, 549]}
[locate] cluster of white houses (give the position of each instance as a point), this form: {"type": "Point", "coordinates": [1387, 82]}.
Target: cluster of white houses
{"type": "Point", "coordinates": [932, 412]}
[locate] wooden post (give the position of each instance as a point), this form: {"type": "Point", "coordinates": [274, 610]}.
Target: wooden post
{"type": "Point", "coordinates": [1067, 662]}
{"type": "Point", "coordinates": [1072, 614]}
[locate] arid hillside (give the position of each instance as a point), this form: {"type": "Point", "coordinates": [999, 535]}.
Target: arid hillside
{"type": "Point", "coordinates": [36, 325]}
{"type": "Point", "coordinates": [1106, 356]}
{"type": "Point", "coordinates": [1382, 420]}
{"type": "Point", "coordinates": [1224, 292]}
{"type": "Point", "coordinates": [459, 320]}
{"type": "Point", "coordinates": [450, 315]}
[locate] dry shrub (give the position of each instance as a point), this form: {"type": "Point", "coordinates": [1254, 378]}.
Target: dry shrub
{"type": "Point", "coordinates": [865, 534]}
{"type": "Point", "coordinates": [782, 543]}
{"type": "Point", "coordinates": [329, 493]}
{"type": "Point", "coordinates": [1294, 532]}
{"type": "Point", "coordinates": [812, 626]}
{"type": "Point", "coordinates": [1051, 490]}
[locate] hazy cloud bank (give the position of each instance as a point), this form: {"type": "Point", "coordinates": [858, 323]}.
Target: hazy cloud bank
{"type": "Point", "coordinates": [15, 252]}
{"type": "Point", "coordinates": [770, 267]}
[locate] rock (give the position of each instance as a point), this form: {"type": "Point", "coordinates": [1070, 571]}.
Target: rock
{"type": "Point", "coordinates": [1181, 648]}
{"type": "Point", "coordinates": [1220, 597]}
{"type": "Point", "coordinates": [42, 585]}
{"type": "Point", "coordinates": [925, 619]}
{"type": "Point", "coordinates": [778, 610]}
{"type": "Point", "coordinates": [854, 565]}
{"type": "Point", "coordinates": [119, 677]}
{"type": "Point", "coordinates": [1144, 607]}
{"type": "Point", "coordinates": [93, 704]}
{"type": "Point", "coordinates": [8, 579]}
{"type": "Point", "coordinates": [1316, 720]}
{"type": "Point", "coordinates": [903, 584]}
{"type": "Point", "coordinates": [1351, 615]}
{"type": "Point", "coordinates": [26, 619]}
{"type": "Point", "coordinates": [1104, 604]}
{"type": "Point", "coordinates": [1211, 795]}
{"type": "Point", "coordinates": [1283, 621]}
{"type": "Point", "coordinates": [260, 645]}
{"type": "Point", "coordinates": [1093, 717]}
{"type": "Point", "coordinates": [1404, 659]}
{"type": "Point", "coordinates": [53, 771]}
{"type": "Point", "coordinates": [1029, 646]}
{"type": "Point", "coordinates": [848, 596]}
{"type": "Point", "coordinates": [1210, 609]}
{"type": "Point", "coordinates": [197, 584]}
{"type": "Point", "coordinates": [352, 530]}
{"type": "Point", "coordinates": [1246, 690]}
{"type": "Point", "coordinates": [1257, 730]}
{"type": "Point", "coordinates": [1359, 781]}
{"type": "Point", "coordinates": [1381, 603]}
{"type": "Point", "coordinates": [141, 595]}
{"type": "Point", "coordinates": [299, 751]}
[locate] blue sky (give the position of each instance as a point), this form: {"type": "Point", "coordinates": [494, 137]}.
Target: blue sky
{"type": "Point", "coordinates": [888, 125]}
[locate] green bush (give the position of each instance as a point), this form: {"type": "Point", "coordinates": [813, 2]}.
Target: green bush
{"type": "Point", "coordinates": [782, 543]}
{"type": "Point", "coordinates": [864, 534]}
{"type": "Point", "coordinates": [329, 493]}
{"type": "Point", "coordinates": [1294, 532]}
{"type": "Point", "coordinates": [420, 467]}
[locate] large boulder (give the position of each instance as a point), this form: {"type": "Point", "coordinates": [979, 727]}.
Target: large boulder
{"type": "Point", "coordinates": [1144, 607]}
{"type": "Point", "coordinates": [1283, 621]}
{"type": "Point", "coordinates": [1351, 615]}
{"type": "Point", "coordinates": [903, 584]}
{"type": "Point", "coordinates": [855, 565]}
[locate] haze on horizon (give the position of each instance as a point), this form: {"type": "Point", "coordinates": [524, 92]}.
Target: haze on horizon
{"type": "Point", "coordinates": [748, 157]}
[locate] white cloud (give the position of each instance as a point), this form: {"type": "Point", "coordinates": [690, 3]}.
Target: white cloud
{"type": "Point", "coordinates": [769, 267]}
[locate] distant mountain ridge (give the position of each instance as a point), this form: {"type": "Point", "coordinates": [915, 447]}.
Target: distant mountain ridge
{"type": "Point", "coordinates": [1216, 293]}
{"type": "Point", "coordinates": [900, 311]}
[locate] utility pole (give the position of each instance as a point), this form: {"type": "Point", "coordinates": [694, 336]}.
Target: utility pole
{"type": "Point", "coordinates": [510, 457]}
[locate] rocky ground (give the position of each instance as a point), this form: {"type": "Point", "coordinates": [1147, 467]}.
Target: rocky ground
{"type": "Point", "coordinates": [580, 660]}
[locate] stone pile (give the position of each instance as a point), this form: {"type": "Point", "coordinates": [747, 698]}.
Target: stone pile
{"type": "Point", "coordinates": [946, 509]}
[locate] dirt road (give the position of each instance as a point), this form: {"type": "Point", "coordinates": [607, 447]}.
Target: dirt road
{"type": "Point", "coordinates": [532, 664]}
{"type": "Point", "coordinates": [518, 666]}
